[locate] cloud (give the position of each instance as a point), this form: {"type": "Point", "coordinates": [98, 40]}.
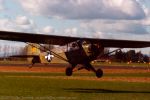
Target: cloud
{"type": "Point", "coordinates": [116, 27]}
{"type": "Point", "coordinates": [146, 21]}
{"type": "Point", "coordinates": [85, 9]}
{"type": "Point", "coordinates": [71, 31]}
{"type": "Point", "coordinates": [2, 5]}
{"type": "Point", "coordinates": [48, 30]}
{"type": "Point", "coordinates": [23, 20]}
{"type": "Point", "coordinates": [6, 24]}
{"type": "Point", "coordinates": [25, 24]}
{"type": "Point", "coordinates": [21, 23]}
{"type": "Point", "coordinates": [97, 18]}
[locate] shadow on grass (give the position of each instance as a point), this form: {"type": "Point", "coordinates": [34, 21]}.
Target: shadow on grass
{"type": "Point", "coordinates": [83, 90]}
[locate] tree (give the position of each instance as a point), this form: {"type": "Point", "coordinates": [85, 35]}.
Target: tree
{"type": "Point", "coordinates": [119, 55]}
{"type": "Point", "coordinates": [139, 56]}
{"type": "Point", "coordinates": [146, 59]}
{"type": "Point", "coordinates": [131, 56]}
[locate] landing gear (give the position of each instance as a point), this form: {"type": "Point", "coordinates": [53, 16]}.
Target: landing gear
{"type": "Point", "coordinates": [68, 71]}
{"type": "Point", "coordinates": [99, 73]}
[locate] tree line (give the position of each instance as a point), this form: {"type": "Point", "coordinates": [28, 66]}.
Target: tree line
{"type": "Point", "coordinates": [129, 56]}
{"type": "Point", "coordinates": [9, 50]}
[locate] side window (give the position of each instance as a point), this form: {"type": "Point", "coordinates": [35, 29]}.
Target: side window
{"type": "Point", "coordinates": [73, 46]}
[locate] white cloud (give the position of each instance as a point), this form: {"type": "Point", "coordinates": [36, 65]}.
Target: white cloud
{"type": "Point", "coordinates": [116, 27]}
{"type": "Point", "coordinates": [98, 18]}
{"type": "Point", "coordinates": [85, 9]}
{"type": "Point", "coordinates": [71, 32]}
{"type": "Point", "coordinates": [6, 24]}
{"type": "Point", "coordinates": [48, 30]}
{"type": "Point", "coordinates": [23, 20]}
{"type": "Point", "coordinates": [25, 24]}
{"type": "Point", "coordinates": [21, 23]}
{"type": "Point", "coordinates": [2, 5]}
{"type": "Point", "coordinates": [146, 21]}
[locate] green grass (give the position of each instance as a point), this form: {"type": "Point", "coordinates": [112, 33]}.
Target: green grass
{"type": "Point", "coordinates": [3, 74]}
{"type": "Point", "coordinates": [122, 64]}
{"type": "Point", "coordinates": [42, 88]}
{"type": "Point", "coordinates": [96, 64]}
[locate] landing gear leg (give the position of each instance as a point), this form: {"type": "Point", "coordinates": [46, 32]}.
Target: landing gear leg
{"type": "Point", "coordinates": [99, 72]}
{"type": "Point", "coordinates": [69, 70]}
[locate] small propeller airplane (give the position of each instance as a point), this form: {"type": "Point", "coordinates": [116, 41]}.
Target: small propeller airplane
{"type": "Point", "coordinates": [75, 47]}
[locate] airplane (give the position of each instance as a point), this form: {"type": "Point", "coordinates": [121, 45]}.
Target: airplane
{"type": "Point", "coordinates": [75, 52]}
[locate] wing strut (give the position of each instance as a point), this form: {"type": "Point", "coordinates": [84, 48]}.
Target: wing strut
{"type": "Point", "coordinates": [110, 52]}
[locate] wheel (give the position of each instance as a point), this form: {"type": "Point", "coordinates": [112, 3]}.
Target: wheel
{"type": "Point", "coordinates": [68, 71]}
{"type": "Point", "coordinates": [99, 73]}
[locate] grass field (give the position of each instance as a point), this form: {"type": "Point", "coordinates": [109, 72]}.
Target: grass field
{"type": "Point", "coordinates": [57, 86]}
{"type": "Point", "coordinates": [97, 63]}
{"type": "Point", "coordinates": [123, 64]}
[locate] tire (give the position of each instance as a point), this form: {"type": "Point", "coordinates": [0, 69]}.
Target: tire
{"type": "Point", "coordinates": [68, 71]}
{"type": "Point", "coordinates": [99, 73]}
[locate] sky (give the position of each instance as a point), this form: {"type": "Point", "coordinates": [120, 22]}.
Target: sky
{"type": "Point", "coordinates": [109, 19]}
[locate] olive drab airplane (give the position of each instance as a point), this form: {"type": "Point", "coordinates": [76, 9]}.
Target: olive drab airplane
{"type": "Point", "coordinates": [75, 47]}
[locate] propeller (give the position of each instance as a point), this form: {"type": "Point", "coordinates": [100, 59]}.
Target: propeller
{"type": "Point", "coordinates": [49, 57]}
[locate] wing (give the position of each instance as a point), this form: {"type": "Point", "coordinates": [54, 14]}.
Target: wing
{"type": "Point", "coordinates": [35, 38]}
{"type": "Point", "coordinates": [122, 43]}
{"type": "Point", "coordinates": [63, 40]}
